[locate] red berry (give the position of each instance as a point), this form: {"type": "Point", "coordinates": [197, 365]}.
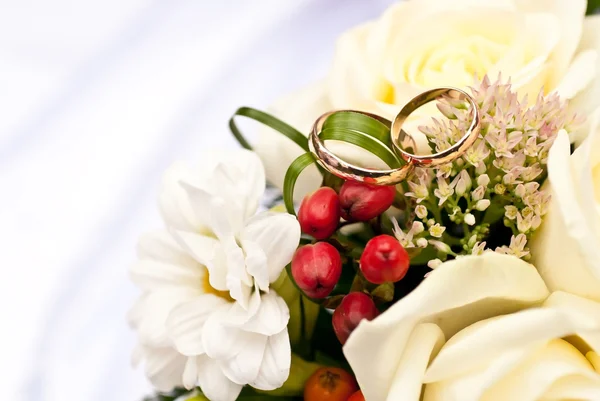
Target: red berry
{"type": "Point", "coordinates": [362, 202]}
{"type": "Point", "coordinates": [355, 307]}
{"type": "Point", "coordinates": [384, 259]}
{"type": "Point", "coordinates": [319, 213]}
{"type": "Point", "coordinates": [317, 269]}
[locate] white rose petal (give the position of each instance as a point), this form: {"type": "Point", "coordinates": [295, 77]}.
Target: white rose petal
{"type": "Point", "coordinates": [417, 45]}
{"type": "Point", "coordinates": [496, 284]}
{"type": "Point", "coordinates": [566, 250]}
{"type": "Point", "coordinates": [520, 356]}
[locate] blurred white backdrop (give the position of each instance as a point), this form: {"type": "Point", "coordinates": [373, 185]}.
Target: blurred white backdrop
{"type": "Point", "coordinates": [97, 99]}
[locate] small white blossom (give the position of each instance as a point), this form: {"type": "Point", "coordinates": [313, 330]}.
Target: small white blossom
{"type": "Point", "coordinates": [478, 248]}
{"type": "Point", "coordinates": [462, 182]}
{"type": "Point", "coordinates": [502, 142]}
{"type": "Point", "coordinates": [482, 204]}
{"type": "Point", "coordinates": [434, 263]}
{"type": "Point", "coordinates": [477, 153]}
{"type": "Point", "coordinates": [531, 147]}
{"type": "Point", "coordinates": [531, 173]}
{"type": "Point", "coordinates": [440, 246]}
{"type": "Point", "coordinates": [481, 168]}
{"type": "Point", "coordinates": [483, 180]}
{"type": "Point", "coordinates": [419, 190]}
{"type": "Point", "coordinates": [445, 170]}
{"type": "Point", "coordinates": [516, 247]}
{"type": "Point", "coordinates": [417, 227]}
{"type": "Point", "coordinates": [404, 239]}
{"type": "Point", "coordinates": [524, 222]}
{"type": "Point", "coordinates": [443, 191]}
{"type": "Point", "coordinates": [437, 230]}
{"type": "Point", "coordinates": [422, 243]}
{"type": "Point", "coordinates": [478, 193]}
{"type": "Point", "coordinates": [421, 211]}
{"type": "Point", "coordinates": [470, 219]}
{"type": "Point", "coordinates": [500, 189]}
{"type": "Point", "coordinates": [511, 212]}
{"type": "Point", "coordinates": [536, 221]}
{"type": "Point", "coordinates": [512, 177]}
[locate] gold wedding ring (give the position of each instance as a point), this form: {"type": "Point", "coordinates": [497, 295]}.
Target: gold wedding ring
{"type": "Point", "coordinates": [400, 141]}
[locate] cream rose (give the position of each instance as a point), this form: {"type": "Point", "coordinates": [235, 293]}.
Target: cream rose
{"type": "Point", "coordinates": [566, 250]}
{"type": "Point", "coordinates": [480, 328]}
{"type": "Point", "coordinates": [421, 44]}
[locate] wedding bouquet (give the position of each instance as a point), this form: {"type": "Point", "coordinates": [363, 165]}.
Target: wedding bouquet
{"type": "Point", "coordinates": [395, 251]}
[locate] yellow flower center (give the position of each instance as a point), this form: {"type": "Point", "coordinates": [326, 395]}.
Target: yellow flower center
{"type": "Point", "coordinates": [209, 289]}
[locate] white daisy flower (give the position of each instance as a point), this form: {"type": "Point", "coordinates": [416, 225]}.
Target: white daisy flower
{"type": "Point", "coordinates": [207, 316]}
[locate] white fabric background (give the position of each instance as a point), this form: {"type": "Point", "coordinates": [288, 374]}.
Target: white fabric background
{"type": "Point", "coordinates": [97, 99]}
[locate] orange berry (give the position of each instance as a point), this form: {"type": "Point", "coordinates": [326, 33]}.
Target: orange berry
{"type": "Point", "coordinates": [330, 384]}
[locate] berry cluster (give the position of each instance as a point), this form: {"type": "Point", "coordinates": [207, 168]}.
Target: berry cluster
{"type": "Point", "coordinates": [317, 267]}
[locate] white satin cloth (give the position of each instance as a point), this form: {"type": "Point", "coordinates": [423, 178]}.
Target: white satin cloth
{"type": "Point", "coordinates": [97, 99]}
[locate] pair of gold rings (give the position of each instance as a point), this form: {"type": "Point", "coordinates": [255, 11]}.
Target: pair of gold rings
{"type": "Point", "coordinates": [400, 141]}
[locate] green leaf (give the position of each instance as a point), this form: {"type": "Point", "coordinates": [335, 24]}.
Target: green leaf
{"type": "Point", "coordinates": [364, 141]}
{"type": "Point", "coordinates": [593, 7]}
{"type": "Point", "coordinates": [269, 121]}
{"type": "Point", "coordinates": [360, 123]}
{"type": "Point", "coordinates": [291, 176]}
{"type": "Point", "coordinates": [384, 292]}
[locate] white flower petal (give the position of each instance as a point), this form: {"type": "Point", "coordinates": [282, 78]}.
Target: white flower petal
{"type": "Point", "coordinates": [579, 306]}
{"type": "Point", "coordinates": [588, 100]}
{"type": "Point", "coordinates": [453, 296]}
{"type": "Point", "coordinates": [190, 373]}
{"type": "Point", "coordinates": [160, 246]}
{"type": "Point", "coordinates": [157, 305]}
{"type": "Point", "coordinates": [239, 290]}
{"type": "Point", "coordinates": [164, 367]}
{"type": "Point", "coordinates": [486, 340]}
{"type": "Point", "coordinates": [580, 74]}
{"type": "Point", "coordinates": [214, 384]}
{"type": "Point", "coordinates": [569, 15]}
{"type": "Point", "coordinates": [499, 358]}
{"type": "Point", "coordinates": [245, 193]}
{"type": "Point", "coordinates": [238, 315]}
{"type": "Point", "coordinates": [256, 263]}
{"type": "Point", "coordinates": [207, 251]}
{"type": "Point", "coordinates": [424, 343]}
{"type": "Point", "coordinates": [272, 316]}
{"type": "Point", "coordinates": [243, 368]}
{"type": "Point", "coordinates": [174, 202]}
{"type": "Point", "coordinates": [150, 275]}
{"type": "Point", "coordinates": [566, 238]}
{"type": "Point", "coordinates": [278, 234]}
{"type": "Point", "coordinates": [472, 386]}
{"type": "Point", "coordinates": [557, 359]}
{"type": "Point", "coordinates": [581, 387]}
{"type": "Point", "coordinates": [220, 340]}
{"type": "Point", "coordinates": [528, 380]}
{"type": "Point", "coordinates": [275, 367]}
{"type": "Point", "coordinates": [186, 321]}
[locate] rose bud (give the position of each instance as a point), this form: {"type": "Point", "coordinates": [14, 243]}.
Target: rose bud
{"type": "Point", "coordinates": [362, 202]}
{"type": "Point", "coordinates": [355, 307]}
{"type": "Point", "coordinates": [384, 259]}
{"type": "Point", "coordinates": [317, 269]}
{"type": "Point", "coordinates": [319, 213]}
